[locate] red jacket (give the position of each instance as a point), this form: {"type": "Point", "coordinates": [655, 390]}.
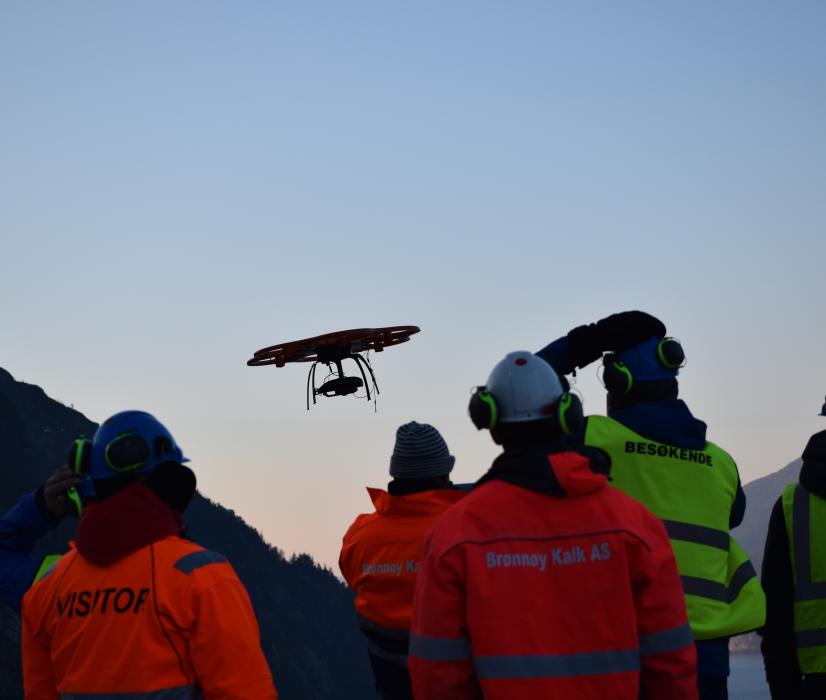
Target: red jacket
{"type": "Point", "coordinates": [166, 619]}
{"type": "Point", "coordinates": [381, 557]}
{"type": "Point", "coordinates": [527, 595]}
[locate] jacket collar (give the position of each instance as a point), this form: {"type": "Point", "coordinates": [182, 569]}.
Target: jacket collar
{"type": "Point", "coordinates": [414, 503]}
{"type": "Point", "coordinates": [668, 421]}
{"type": "Point", "coordinates": [561, 472]}
{"type": "Point", "coordinates": [124, 523]}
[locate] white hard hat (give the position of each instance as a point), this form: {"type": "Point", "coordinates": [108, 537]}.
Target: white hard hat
{"type": "Point", "coordinates": [525, 388]}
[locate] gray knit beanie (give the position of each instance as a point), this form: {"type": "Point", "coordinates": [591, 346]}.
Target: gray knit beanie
{"type": "Point", "coordinates": [420, 453]}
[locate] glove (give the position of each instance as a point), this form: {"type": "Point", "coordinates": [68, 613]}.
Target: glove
{"type": "Point", "coordinates": [612, 333]}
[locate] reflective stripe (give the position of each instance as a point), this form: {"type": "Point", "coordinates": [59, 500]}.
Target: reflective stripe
{"type": "Point", "coordinates": [558, 665]}
{"type": "Point", "coordinates": [183, 692]}
{"type": "Point", "coordinates": [435, 649]}
{"type": "Point", "coordinates": [195, 560]}
{"type": "Point", "coordinates": [810, 638]}
{"type": "Point", "coordinates": [806, 589]}
{"type": "Point", "coordinates": [667, 640]}
{"type": "Point", "coordinates": [47, 566]}
{"type": "Point", "coordinates": [706, 588]}
{"type": "Point", "coordinates": [699, 534]}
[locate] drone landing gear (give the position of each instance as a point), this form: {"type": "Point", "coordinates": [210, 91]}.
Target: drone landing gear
{"type": "Point", "coordinates": [332, 349]}
{"type": "Point", "coordinates": [339, 384]}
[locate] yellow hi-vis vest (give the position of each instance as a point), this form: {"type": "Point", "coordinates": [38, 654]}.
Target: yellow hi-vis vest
{"type": "Point", "coordinates": [806, 528]}
{"type": "Point", "coordinates": [692, 491]}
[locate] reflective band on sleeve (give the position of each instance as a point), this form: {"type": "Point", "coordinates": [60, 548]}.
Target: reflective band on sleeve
{"type": "Point", "coordinates": [705, 588]}
{"type": "Point", "coordinates": [806, 589]}
{"type": "Point", "coordinates": [719, 539]}
{"type": "Point", "coordinates": [189, 562]}
{"type": "Point", "coordinates": [435, 649]}
{"type": "Point", "coordinates": [183, 692]}
{"type": "Point", "coordinates": [558, 665]}
{"type": "Point", "coordinates": [666, 641]}
{"type": "Point", "coordinates": [810, 638]}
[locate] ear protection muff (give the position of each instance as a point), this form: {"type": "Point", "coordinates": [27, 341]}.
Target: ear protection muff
{"type": "Point", "coordinates": [670, 353]}
{"type": "Point", "coordinates": [78, 461]}
{"type": "Point", "coordinates": [615, 375]}
{"type": "Point", "coordinates": [128, 452]}
{"type": "Point", "coordinates": [482, 409]}
{"type": "Point", "coordinates": [484, 412]}
{"type": "Point", "coordinates": [569, 413]}
{"type": "Point", "coordinates": [618, 379]}
{"type": "Point", "coordinates": [79, 455]}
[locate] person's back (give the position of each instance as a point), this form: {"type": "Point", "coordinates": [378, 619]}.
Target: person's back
{"type": "Point", "coordinates": [382, 551]}
{"type": "Point", "coordinates": [545, 581]}
{"type": "Point", "coordinates": [661, 457]}
{"type": "Point", "coordinates": [794, 578]}
{"type": "Point", "coordinates": [134, 609]}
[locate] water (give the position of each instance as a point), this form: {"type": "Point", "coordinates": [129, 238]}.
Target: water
{"type": "Point", "coordinates": [747, 680]}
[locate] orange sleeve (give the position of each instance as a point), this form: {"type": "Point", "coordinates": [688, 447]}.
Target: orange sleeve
{"type": "Point", "coordinates": [667, 653]}
{"type": "Point", "coordinates": [225, 645]}
{"type": "Point", "coordinates": [38, 682]}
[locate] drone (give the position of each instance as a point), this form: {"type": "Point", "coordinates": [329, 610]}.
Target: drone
{"type": "Point", "coordinates": [331, 349]}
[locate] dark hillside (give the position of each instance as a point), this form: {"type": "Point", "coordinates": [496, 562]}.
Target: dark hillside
{"type": "Point", "coordinates": [308, 627]}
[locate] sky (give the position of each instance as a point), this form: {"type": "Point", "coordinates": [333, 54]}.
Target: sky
{"type": "Point", "coordinates": [184, 183]}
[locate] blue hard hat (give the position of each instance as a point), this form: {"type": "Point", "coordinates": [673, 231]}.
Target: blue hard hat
{"type": "Point", "coordinates": [643, 362]}
{"type": "Point", "coordinates": [131, 443]}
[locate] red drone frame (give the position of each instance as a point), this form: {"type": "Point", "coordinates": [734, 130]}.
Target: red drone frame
{"type": "Point", "coordinates": [331, 349]}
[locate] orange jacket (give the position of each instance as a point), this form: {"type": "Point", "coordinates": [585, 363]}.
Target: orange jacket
{"type": "Point", "coordinates": [171, 619]}
{"type": "Point", "coordinates": [380, 560]}
{"type": "Point", "coordinates": [526, 595]}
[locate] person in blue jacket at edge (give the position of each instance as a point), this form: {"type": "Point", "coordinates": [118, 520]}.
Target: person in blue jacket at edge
{"type": "Point", "coordinates": [31, 518]}
{"type": "Point", "coordinates": [660, 456]}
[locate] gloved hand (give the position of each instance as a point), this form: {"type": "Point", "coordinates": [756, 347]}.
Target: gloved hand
{"type": "Point", "coordinates": [51, 497]}
{"type": "Point", "coordinates": [612, 333]}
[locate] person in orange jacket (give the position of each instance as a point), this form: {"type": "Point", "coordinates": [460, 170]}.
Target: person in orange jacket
{"type": "Point", "coordinates": [545, 581]}
{"type": "Point", "coordinates": [134, 609]}
{"type": "Point", "coordinates": [381, 553]}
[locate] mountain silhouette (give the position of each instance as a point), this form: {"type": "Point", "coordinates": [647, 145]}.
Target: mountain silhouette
{"type": "Point", "coordinates": [308, 626]}
{"type": "Point", "coordinates": [761, 495]}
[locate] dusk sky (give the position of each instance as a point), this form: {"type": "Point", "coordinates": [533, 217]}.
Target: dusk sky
{"type": "Point", "coordinates": [184, 183]}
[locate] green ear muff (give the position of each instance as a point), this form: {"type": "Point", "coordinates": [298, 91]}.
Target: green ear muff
{"type": "Point", "coordinates": [626, 373]}
{"type": "Point", "coordinates": [78, 458]}
{"type": "Point", "coordinates": [670, 353]}
{"type": "Point", "coordinates": [564, 404]}
{"type": "Point", "coordinates": [488, 399]}
{"type": "Point", "coordinates": [570, 414]}
{"type": "Point", "coordinates": [482, 409]}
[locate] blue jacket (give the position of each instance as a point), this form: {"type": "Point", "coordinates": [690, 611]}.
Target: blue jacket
{"type": "Point", "coordinates": [20, 528]}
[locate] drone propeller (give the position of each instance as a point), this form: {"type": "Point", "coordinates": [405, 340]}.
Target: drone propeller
{"type": "Point", "coordinates": [332, 349]}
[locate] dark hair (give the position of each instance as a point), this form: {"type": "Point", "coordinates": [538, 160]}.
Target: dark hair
{"type": "Point", "coordinates": [654, 390]}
